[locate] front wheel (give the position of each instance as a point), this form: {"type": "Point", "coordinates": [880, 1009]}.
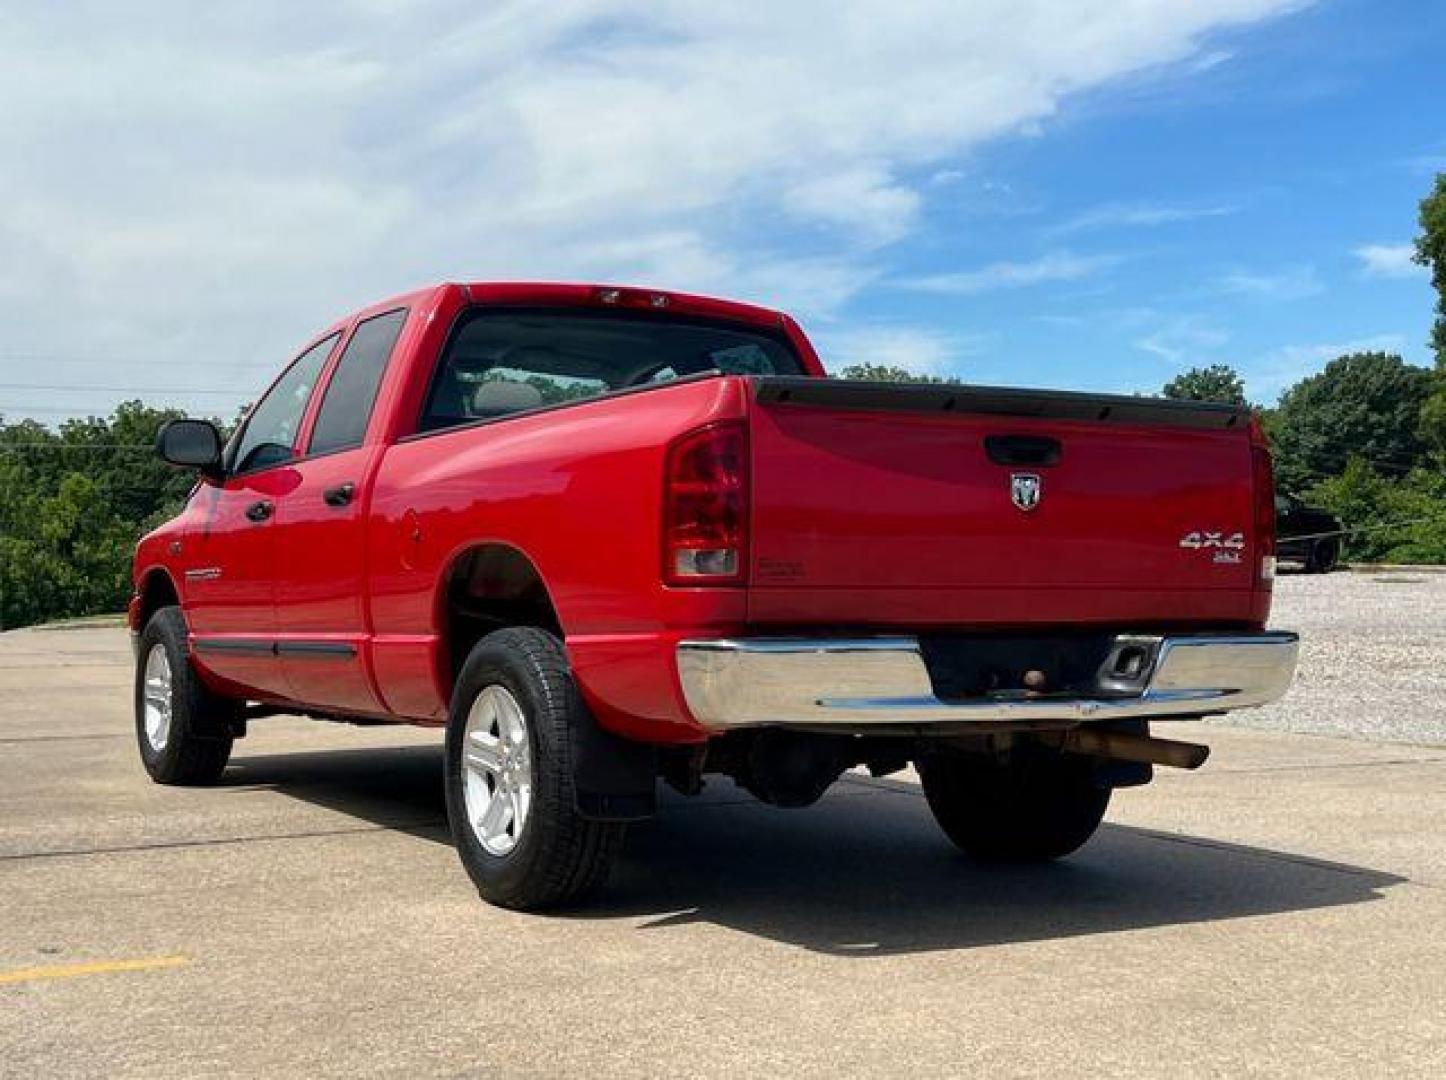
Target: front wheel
{"type": "Point", "coordinates": [1033, 807]}
{"type": "Point", "coordinates": [509, 780]}
{"type": "Point", "coordinates": [183, 730]}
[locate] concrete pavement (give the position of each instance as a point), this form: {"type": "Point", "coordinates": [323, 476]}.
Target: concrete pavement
{"type": "Point", "coordinates": [1277, 913]}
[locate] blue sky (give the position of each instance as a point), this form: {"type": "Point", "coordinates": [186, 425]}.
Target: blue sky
{"type": "Point", "coordinates": [1090, 194]}
{"type": "Point", "coordinates": [1248, 208]}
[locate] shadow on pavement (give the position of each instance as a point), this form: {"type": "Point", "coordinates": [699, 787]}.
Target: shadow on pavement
{"type": "Point", "coordinates": [396, 787]}
{"type": "Point", "coordinates": [865, 872]}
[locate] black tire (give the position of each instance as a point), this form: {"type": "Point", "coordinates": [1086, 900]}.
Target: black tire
{"type": "Point", "coordinates": [197, 742]}
{"type": "Point", "coordinates": [1038, 806]}
{"type": "Point", "coordinates": [559, 856]}
{"type": "Point", "coordinates": [1324, 555]}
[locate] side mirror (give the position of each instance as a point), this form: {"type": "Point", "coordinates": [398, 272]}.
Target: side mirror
{"type": "Point", "coordinates": [192, 444]}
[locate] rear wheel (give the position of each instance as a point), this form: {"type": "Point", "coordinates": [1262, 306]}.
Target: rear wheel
{"type": "Point", "coordinates": [1324, 555]}
{"type": "Point", "coordinates": [509, 776]}
{"type": "Point", "coordinates": [182, 729]}
{"type": "Point", "coordinates": [1036, 806]}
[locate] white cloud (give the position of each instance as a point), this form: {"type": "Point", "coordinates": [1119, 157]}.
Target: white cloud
{"type": "Point", "coordinates": [1184, 340]}
{"type": "Point", "coordinates": [1389, 260]}
{"type": "Point", "coordinates": [212, 182]}
{"type": "Point", "coordinates": [1267, 376]}
{"type": "Point", "coordinates": [865, 199]}
{"type": "Point", "coordinates": [1212, 59]}
{"type": "Point", "coordinates": [1056, 266]}
{"type": "Point", "coordinates": [1138, 215]}
{"type": "Point", "coordinates": [1288, 283]}
{"type": "Point", "coordinates": [917, 348]}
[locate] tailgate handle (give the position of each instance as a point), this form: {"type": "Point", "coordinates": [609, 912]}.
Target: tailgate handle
{"type": "Point", "coordinates": [1022, 449]}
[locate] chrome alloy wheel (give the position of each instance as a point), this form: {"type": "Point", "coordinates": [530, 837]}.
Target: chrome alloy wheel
{"type": "Point", "coordinates": [497, 770]}
{"type": "Point", "coordinates": [157, 697]}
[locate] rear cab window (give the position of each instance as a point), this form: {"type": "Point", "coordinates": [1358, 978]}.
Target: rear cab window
{"type": "Point", "coordinates": [347, 402]}
{"type": "Point", "coordinates": [501, 361]}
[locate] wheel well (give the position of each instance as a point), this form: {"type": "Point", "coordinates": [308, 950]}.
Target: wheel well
{"type": "Point", "coordinates": [157, 591]}
{"type": "Point", "coordinates": [491, 587]}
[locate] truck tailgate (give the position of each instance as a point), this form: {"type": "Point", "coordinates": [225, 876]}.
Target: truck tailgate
{"type": "Point", "coordinates": [962, 507]}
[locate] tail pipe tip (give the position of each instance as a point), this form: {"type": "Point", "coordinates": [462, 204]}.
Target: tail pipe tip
{"type": "Point", "coordinates": [1127, 747]}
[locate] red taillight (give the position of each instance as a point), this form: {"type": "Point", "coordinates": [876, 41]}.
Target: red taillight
{"type": "Point", "coordinates": [1263, 484]}
{"type": "Point", "coordinates": [705, 507]}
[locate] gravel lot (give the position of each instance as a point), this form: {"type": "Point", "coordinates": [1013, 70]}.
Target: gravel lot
{"type": "Point", "coordinates": [1373, 656]}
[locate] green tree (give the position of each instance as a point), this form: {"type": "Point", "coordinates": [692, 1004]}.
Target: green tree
{"type": "Point", "coordinates": [1388, 519]}
{"type": "Point", "coordinates": [1365, 405]}
{"type": "Point", "coordinates": [889, 373]}
{"type": "Point", "coordinates": [1433, 420]}
{"type": "Point", "coordinates": [1218, 382]}
{"type": "Point", "coordinates": [73, 503]}
{"type": "Point", "coordinates": [1431, 253]}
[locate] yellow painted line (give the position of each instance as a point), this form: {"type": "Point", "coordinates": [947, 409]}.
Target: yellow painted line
{"type": "Point", "coordinates": [97, 967]}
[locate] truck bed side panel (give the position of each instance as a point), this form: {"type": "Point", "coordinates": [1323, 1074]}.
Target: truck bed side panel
{"type": "Point", "coordinates": [578, 491]}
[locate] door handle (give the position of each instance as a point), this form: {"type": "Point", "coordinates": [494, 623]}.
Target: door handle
{"type": "Point", "coordinates": [260, 511]}
{"type": "Point", "coordinates": [339, 495]}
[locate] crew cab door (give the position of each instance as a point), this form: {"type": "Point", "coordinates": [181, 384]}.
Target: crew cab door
{"type": "Point", "coordinates": [322, 628]}
{"type": "Point", "coordinates": [230, 564]}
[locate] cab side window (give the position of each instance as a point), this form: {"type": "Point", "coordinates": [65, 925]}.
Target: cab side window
{"type": "Point", "coordinates": [269, 436]}
{"type": "Point", "coordinates": [346, 406]}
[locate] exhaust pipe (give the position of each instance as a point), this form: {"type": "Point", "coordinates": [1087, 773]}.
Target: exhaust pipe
{"type": "Point", "coordinates": [1126, 747]}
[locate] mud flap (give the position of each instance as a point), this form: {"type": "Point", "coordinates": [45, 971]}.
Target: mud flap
{"type": "Point", "coordinates": [614, 779]}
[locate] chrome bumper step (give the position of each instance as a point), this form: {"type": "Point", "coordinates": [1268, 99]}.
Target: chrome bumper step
{"type": "Point", "coordinates": [875, 683]}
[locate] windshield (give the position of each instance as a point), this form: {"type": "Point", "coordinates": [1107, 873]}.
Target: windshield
{"type": "Point", "coordinates": [505, 361]}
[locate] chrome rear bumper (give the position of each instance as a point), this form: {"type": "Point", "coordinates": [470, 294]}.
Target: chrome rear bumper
{"type": "Point", "coordinates": [875, 683]}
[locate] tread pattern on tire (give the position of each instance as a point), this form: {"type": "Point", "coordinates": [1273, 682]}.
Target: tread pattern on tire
{"type": "Point", "coordinates": [562, 856]}
{"type": "Point", "coordinates": [189, 759]}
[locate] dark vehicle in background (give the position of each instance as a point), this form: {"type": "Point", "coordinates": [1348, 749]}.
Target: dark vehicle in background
{"type": "Point", "coordinates": [1307, 535]}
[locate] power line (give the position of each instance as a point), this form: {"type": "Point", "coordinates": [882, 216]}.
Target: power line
{"type": "Point", "coordinates": [76, 446]}
{"type": "Point", "coordinates": [73, 413]}
{"type": "Point", "coordinates": [1364, 528]}
{"type": "Point", "coordinates": [115, 389]}
{"type": "Point", "coordinates": [1386, 464]}
{"type": "Point", "coordinates": [69, 413]}
{"type": "Point", "coordinates": [115, 361]}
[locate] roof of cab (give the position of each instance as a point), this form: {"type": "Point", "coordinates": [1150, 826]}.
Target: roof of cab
{"type": "Point", "coordinates": [572, 294]}
{"type": "Point", "coordinates": [577, 294]}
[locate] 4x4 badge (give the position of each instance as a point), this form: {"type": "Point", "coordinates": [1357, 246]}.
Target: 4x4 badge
{"type": "Point", "coordinates": [1204, 538]}
{"type": "Point", "coordinates": [1025, 490]}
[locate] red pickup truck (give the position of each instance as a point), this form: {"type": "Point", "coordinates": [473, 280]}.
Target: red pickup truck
{"type": "Point", "coordinates": [609, 535]}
